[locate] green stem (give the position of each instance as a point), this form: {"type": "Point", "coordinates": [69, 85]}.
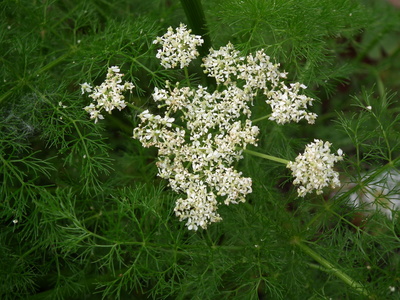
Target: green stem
{"type": "Point", "coordinates": [269, 157]}
{"type": "Point", "coordinates": [331, 268]}
{"type": "Point", "coordinates": [134, 107]}
{"type": "Point", "coordinates": [260, 119]}
{"type": "Point", "coordinates": [187, 76]}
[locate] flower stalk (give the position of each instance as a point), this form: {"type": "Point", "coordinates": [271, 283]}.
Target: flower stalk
{"type": "Point", "coordinates": [359, 288]}
{"type": "Point", "coordinates": [269, 157]}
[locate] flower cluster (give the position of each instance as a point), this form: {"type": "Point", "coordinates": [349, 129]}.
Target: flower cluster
{"type": "Point", "coordinates": [313, 170]}
{"type": "Point", "coordinates": [197, 157]}
{"type": "Point", "coordinates": [178, 48]}
{"type": "Point", "coordinates": [201, 134]}
{"type": "Point", "coordinates": [108, 95]}
{"type": "Point", "coordinates": [287, 105]}
{"type": "Point", "coordinates": [258, 73]}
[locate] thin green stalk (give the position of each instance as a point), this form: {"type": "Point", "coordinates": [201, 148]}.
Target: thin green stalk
{"type": "Point", "coordinates": [187, 76]}
{"type": "Point", "coordinates": [269, 157]}
{"type": "Point", "coordinates": [135, 107]}
{"type": "Point", "coordinates": [331, 268]}
{"type": "Point", "coordinates": [260, 119]}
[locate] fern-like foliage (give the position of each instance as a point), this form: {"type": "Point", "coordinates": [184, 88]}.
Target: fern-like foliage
{"type": "Point", "coordinates": [83, 214]}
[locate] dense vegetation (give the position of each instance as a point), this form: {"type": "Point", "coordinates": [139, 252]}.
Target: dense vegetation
{"type": "Point", "coordinates": [84, 215]}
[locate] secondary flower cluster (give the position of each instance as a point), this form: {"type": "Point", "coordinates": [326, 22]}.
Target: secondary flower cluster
{"type": "Point", "coordinates": [178, 48]}
{"type": "Point", "coordinates": [197, 158]}
{"type": "Point", "coordinates": [108, 95]}
{"type": "Point", "coordinates": [313, 170]}
{"type": "Point", "coordinates": [258, 73]}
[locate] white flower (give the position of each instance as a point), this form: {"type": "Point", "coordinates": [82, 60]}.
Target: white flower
{"type": "Point", "coordinates": [94, 113]}
{"type": "Point", "coordinates": [61, 104]}
{"type": "Point", "coordinates": [196, 154]}
{"type": "Point", "coordinates": [108, 95]}
{"type": "Point", "coordinates": [178, 48]}
{"type": "Point", "coordinates": [113, 69]}
{"type": "Point", "coordinates": [222, 64]}
{"type": "Point", "coordinates": [197, 158]}
{"type": "Point", "coordinates": [260, 73]}
{"type": "Point", "coordinates": [199, 208]}
{"type": "Point", "coordinates": [287, 105]}
{"type": "Point", "coordinates": [313, 170]}
{"type": "Point", "coordinates": [257, 73]}
{"type": "Point", "coordinates": [86, 88]}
